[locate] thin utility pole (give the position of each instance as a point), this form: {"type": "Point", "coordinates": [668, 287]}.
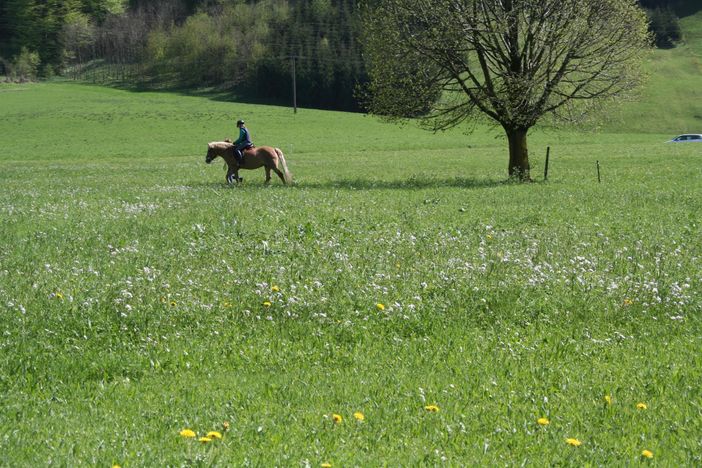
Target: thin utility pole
{"type": "Point", "coordinates": [294, 84]}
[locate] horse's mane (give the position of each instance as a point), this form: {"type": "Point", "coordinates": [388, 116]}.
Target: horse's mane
{"type": "Point", "coordinates": [220, 144]}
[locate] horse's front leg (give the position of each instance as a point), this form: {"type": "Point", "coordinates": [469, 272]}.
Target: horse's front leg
{"type": "Point", "coordinates": [233, 175]}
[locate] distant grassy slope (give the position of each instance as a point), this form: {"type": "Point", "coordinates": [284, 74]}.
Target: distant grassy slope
{"type": "Point", "coordinates": [692, 26]}
{"type": "Point", "coordinates": [672, 99]}
{"type": "Point", "coordinates": [79, 122]}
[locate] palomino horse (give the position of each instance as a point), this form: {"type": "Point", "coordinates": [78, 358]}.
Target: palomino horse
{"type": "Point", "coordinates": [270, 158]}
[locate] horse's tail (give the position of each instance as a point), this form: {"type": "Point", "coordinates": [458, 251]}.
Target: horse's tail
{"type": "Point", "coordinates": [286, 173]}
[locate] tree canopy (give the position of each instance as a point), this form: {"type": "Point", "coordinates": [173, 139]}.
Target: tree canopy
{"type": "Point", "coordinates": [512, 61]}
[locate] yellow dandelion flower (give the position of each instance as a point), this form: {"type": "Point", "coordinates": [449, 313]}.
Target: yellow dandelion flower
{"type": "Point", "coordinates": [380, 306]}
{"type": "Point", "coordinates": [647, 454]}
{"type": "Point", "coordinates": [173, 303]}
{"type": "Point", "coordinates": [337, 418]}
{"type": "Point", "coordinates": [627, 301]}
{"type": "Point", "coordinates": [163, 300]}
{"type": "Point", "coordinates": [489, 237]}
{"type": "Point", "coordinates": [573, 442]}
{"type": "Point", "coordinates": [326, 465]}
{"type": "Point", "coordinates": [359, 416]}
{"type": "Point", "coordinates": [225, 425]}
{"type": "Point", "coordinates": [275, 288]}
{"type": "Point", "coordinates": [641, 406]}
{"type": "Point", "coordinates": [608, 399]}
{"type": "Point", "coordinates": [205, 440]}
{"type": "Point", "coordinates": [267, 304]}
{"type": "Point", "coordinates": [187, 433]}
{"type": "Point", "coordinates": [116, 466]}
{"type": "Point", "coordinates": [432, 408]}
{"type": "Point", "coordinates": [214, 435]}
{"type": "Point", "coordinates": [227, 305]}
{"type": "Point", "coordinates": [59, 295]}
{"type": "Point", "coordinates": [543, 421]}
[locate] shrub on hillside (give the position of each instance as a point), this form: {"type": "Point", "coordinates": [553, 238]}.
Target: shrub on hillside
{"type": "Point", "coordinates": [25, 66]}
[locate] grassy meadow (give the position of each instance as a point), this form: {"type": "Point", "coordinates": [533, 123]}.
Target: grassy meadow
{"type": "Point", "coordinates": [400, 278]}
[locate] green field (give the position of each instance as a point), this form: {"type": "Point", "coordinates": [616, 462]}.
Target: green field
{"type": "Point", "coordinates": [135, 290]}
{"type": "Point", "coordinates": [141, 296]}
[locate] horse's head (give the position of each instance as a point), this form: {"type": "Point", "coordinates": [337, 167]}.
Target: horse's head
{"type": "Point", "coordinates": [210, 154]}
{"type": "Point", "coordinates": [218, 148]}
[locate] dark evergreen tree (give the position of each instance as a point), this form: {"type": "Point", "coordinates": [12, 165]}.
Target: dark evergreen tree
{"type": "Point", "coordinates": [665, 26]}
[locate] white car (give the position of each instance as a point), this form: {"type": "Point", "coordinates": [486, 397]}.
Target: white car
{"type": "Point", "coordinates": [687, 138]}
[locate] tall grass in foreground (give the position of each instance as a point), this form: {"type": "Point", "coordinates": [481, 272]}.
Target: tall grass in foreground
{"type": "Point", "coordinates": [470, 321]}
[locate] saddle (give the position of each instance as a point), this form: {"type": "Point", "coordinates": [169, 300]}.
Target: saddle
{"type": "Point", "coordinates": [229, 140]}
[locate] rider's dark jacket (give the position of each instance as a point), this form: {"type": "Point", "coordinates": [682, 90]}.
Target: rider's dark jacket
{"type": "Point", "coordinates": [244, 140]}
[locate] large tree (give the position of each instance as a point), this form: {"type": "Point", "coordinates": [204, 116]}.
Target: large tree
{"type": "Point", "coordinates": [514, 61]}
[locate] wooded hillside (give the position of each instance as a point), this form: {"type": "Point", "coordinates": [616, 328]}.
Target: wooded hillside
{"type": "Point", "coordinates": [249, 47]}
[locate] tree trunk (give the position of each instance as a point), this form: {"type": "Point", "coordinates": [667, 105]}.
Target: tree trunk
{"type": "Point", "coordinates": [518, 154]}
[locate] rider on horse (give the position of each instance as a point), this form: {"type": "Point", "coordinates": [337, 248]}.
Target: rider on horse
{"type": "Point", "coordinates": [242, 143]}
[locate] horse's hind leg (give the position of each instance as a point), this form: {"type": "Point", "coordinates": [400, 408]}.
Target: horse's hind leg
{"type": "Point", "coordinates": [280, 174]}
{"type": "Point", "coordinates": [268, 175]}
